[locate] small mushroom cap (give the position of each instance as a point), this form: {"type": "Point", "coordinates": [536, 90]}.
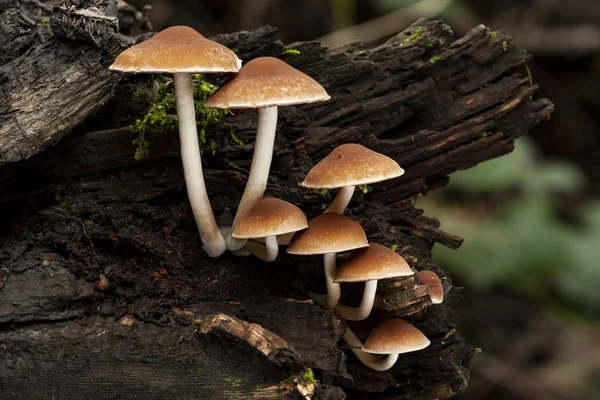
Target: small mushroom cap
{"type": "Point", "coordinates": [395, 336]}
{"type": "Point", "coordinates": [328, 233]}
{"type": "Point", "coordinates": [374, 262]}
{"type": "Point", "coordinates": [351, 164]}
{"type": "Point", "coordinates": [177, 49]}
{"type": "Point", "coordinates": [270, 217]}
{"type": "Point", "coordinates": [265, 82]}
{"type": "Point", "coordinates": [434, 285]}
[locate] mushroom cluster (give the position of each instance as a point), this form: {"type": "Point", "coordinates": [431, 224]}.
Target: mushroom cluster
{"type": "Point", "coordinates": [262, 224]}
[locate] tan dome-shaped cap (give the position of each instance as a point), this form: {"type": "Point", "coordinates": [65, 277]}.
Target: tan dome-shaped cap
{"type": "Point", "coordinates": [265, 82]}
{"type": "Point", "coordinates": [177, 49]}
{"type": "Point", "coordinates": [351, 164]}
{"type": "Point", "coordinates": [270, 217]}
{"type": "Point", "coordinates": [434, 285]}
{"type": "Point", "coordinates": [328, 233]}
{"type": "Point", "coordinates": [395, 336]}
{"type": "Point", "coordinates": [374, 262]}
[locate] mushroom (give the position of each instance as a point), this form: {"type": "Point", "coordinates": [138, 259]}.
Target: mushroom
{"type": "Point", "coordinates": [267, 219]}
{"type": "Point", "coordinates": [328, 234]}
{"type": "Point", "coordinates": [391, 338]}
{"type": "Point", "coordinates": [180, 50]}
{"type": "Point", "coordinates": [368, 265]}
{"type": "Point", "coordinates": [264, 83]}
{"type": "Point", "coordinates": [434, 285]}
{"type": "Point", "coordinates": [347, 166]}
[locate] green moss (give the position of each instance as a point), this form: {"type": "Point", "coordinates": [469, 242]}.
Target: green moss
{"type": "Point", "coordinates": [235, 138]}
{"type": "Point", "coordinates": [309, 377]}
{"type": "Point", "coordinates": [504, 45]}
{"type": "Point", "coordinates": [161, 117]}
{"type": "Point", "coordinates": [394, 247]}
{"type": "Point", "coordinates": [414, 259]}
{"type": "Point", "coordinates": [435, 59]}
{"type": "Point", "coordinates": [235, 49]}
{"type": "Point", "coordinates": [44, 21]}
{"type": "Point", "coordinates": [139, 92]}
{"type": "Point", "coordinates": [429, 45]}
{"type": "Point", "coordinates": [235, 382]}
{"type": "Point", "coordinates": [64, 205]}
{"type": "Point", "coordinates": [362, 188]}
{"type": "Point", "coordinates": [485, 134]}
{"type": "Point", "coordinates": [412, 37]}
{"type": "Point", "coordinates": [322, 192]}
{"type": "Point", "coordinates": [290, 52]}
{"type": "Point", "coordinates": [493, 35]}
{"type": "Point", "coordinates": [88, 222]}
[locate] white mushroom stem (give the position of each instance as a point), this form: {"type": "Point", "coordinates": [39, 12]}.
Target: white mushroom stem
{"type": "Point", "coordinates": [341, 200]}
{"type": "Point", "coordinates": [372, 361]}
{"type": "Point", "coordinates": [332, 297]}
{"type": "Point", "coordinates": [214, 243]}
{"type": "Point", "coordinates": [329, 300]}
{"type": "Point", "coordinates": [259, 169]}
{"type": "Point", "coordinates": [366, 304]}
{"type": "Point", "coordinates": [267, 252]}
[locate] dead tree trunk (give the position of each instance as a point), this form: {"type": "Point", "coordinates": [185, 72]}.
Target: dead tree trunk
{"type": "Point", "coordinates": [104, 290]}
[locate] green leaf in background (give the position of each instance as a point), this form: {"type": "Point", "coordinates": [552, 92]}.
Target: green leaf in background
{"type": "Point", "coordinates": [523, 244]}
{"type": "Point", "coordinates": [519, 169]}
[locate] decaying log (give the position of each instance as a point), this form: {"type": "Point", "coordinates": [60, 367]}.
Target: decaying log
{"type": "Point", "coordinates": [104, 290]}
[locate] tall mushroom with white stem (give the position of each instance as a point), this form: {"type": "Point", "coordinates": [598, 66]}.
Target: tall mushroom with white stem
{"type": "Point", "coordinates": [264, 83]}
{"type": "Point", "coordinates": [348, 166]}
{"type": "Point", "coordinates": [369, 265]}
{"type": "Point", "coordinates": [328, 234]}
{"type": "Point", "coordinates": [182, 51]}
{"type": "Point", "coordinates": [267, 219]}
{"type": "Point", "coordinates": [390, 339]}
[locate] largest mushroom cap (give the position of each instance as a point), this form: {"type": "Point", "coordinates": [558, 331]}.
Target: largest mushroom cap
{"type": "Point", "coordinates": [374, 262]}
{"type": "Point", "coordinates": [350, 165]}
{"type": "Point", "coordinates": [177, 49]}
{"type": "Point", "coordinates": [328, 233]}
{"type": "Point", "coordinates": [266, 82]}
{"type": "Point", "coordinates": [270, 217]}
{"type": "Point", "coordinates": [395, 336]}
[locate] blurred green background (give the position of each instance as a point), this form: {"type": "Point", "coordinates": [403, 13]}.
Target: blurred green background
{"type": "Point", "coordinates": [531, 220]}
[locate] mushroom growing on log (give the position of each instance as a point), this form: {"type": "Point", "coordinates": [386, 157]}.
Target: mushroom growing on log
{"type": "Point", "coordinates": [67, 217]}
{"type": "Point", "coordinates": [182, 51]}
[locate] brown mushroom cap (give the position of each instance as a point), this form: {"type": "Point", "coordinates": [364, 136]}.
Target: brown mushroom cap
{"type": "Point", "coordinates": [351, 164]}
{"type": "Point", "coordinates": [374, 262]}
{"type": "Point", "coordinates": [395, 336]}
{"type": "Point", "coordinates": [328, 233]}
{"type": "Point", "coordinates": [434, 285]}
{"type": "Point", "coordinates": [265, 82]}
{"type": "Point", "coordinates": [270, 217]}
{"type": "Point", "coordinates": [177, 49]}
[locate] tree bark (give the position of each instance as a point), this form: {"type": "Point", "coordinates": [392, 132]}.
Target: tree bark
{"type": "Point", "coordinates": [104, 290]}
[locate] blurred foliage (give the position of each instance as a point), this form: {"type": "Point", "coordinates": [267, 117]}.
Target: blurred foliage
{"type": "Point", "coordinates": [514, 234]}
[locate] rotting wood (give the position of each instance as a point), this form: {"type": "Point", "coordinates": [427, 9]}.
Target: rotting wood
{"type": "Point", "coordinates": [83, 208]}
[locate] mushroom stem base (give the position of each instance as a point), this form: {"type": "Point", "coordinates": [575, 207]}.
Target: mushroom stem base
{"type": "Point", "coordinates": [267, 252]}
